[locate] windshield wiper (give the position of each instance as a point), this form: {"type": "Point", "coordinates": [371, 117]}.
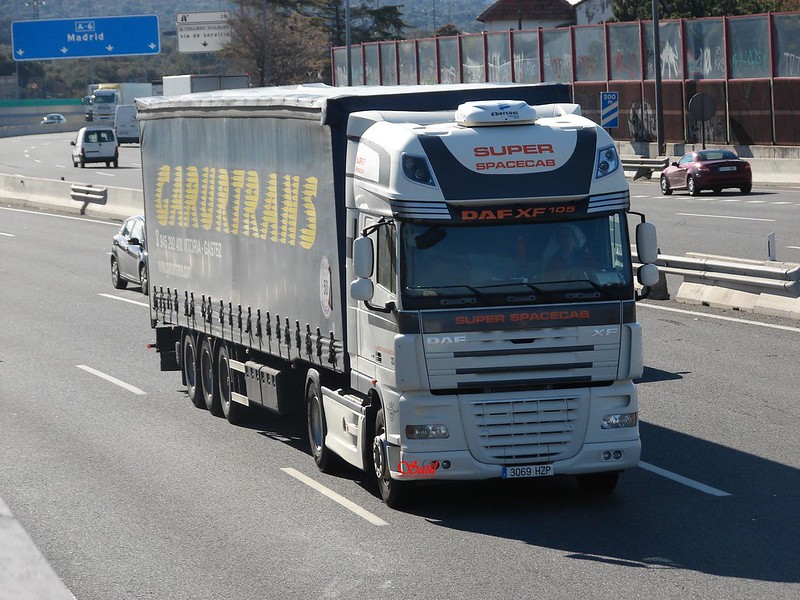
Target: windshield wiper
{"type": "Point", "coordinates": [526, 284]}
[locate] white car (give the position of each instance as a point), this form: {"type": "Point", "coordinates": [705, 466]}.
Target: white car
{"type": "Point", "coordinates": [53, 119]}
{"type": "Point", "coordinates": [96, 143]}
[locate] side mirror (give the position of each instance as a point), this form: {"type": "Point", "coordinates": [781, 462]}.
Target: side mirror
{"type": "Point", "coordinates": [362, 289]}
{"type": "Point", "coordinates": [134, 242]}
{"type": "Point", "coordinates": [646, 242]}
{"type": "Point", "coordinates": [72, 143]}
{"type": "Point", "coordinates": [647, 275]}
{"type": "Point", "coordinates": [362, 257]}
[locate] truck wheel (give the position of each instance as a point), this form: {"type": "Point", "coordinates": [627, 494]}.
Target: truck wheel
{"type": "Point", "coordinates": [116, 280]}
{"type": "Point", "coordinates": [207, 379]}
{"type": "Point", "coordinates": [83, 163]}
{"type": "Point", "coordinates": [235, 413]}
{"type": "Point", "coordinates": [395, 494]}
{"type": "Point", "coordinates": [317, 428]}
{"type": "Point", "coordinates": [598, 483]}
{"type": "Point", "coordinates": [190, 371]}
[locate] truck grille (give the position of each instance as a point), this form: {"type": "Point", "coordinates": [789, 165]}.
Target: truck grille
{"type": "Point", "coordinates": [524, 430]}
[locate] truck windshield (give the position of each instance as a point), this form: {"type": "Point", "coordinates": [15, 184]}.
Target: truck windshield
{"type": "Point", "coordinates": [500, 264]}
{"type": "Point", "coordinates": [104, 99]}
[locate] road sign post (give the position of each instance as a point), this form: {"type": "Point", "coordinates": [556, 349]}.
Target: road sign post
{"type": "Point", "coordinates": [609, 109]}
{"type": "Point", "coordinates": [89, 37]}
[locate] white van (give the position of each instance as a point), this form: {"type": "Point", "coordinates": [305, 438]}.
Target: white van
{"type": "Point", "coordinates": [93, 144]}
{"type": "Point", "coordinates": [126, 125]}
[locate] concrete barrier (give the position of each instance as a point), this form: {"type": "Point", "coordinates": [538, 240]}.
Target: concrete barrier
{"type": "Point", "coordinates": [757, 286]}
{"type": "Point", "coordinates": [120, 203]}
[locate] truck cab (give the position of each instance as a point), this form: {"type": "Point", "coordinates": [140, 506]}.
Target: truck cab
{"type": "Point", "coordinates": [493, 293]}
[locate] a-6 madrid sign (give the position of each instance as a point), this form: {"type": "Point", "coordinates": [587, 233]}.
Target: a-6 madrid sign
{"type": "Point", "coordinates": [85, 38]}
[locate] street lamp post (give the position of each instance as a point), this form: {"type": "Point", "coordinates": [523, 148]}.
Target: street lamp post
{"type": "Point", "coordinates": [35, 4]}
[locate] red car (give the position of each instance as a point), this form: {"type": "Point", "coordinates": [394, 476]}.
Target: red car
{"type": "Point", "coordinates": [707, 170]}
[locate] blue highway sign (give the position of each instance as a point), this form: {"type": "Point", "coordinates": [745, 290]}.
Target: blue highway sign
{"type": "Point", "coordinates": [609, 109]}
{"type": "Point", "coordinates": [84, 38]}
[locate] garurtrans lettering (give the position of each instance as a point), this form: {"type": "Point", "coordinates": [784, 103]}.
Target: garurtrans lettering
{"type": "Point", "coordinates": [239, 202]}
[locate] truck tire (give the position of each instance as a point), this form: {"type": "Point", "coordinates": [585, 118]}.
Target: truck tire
{"type": "Point", "coordinates": [395, 494]}
{"type": "Point", "coordinates": [317, 428]}
{"type": "Point", "coordinates": [208, 380]}
{"type": "Point", "coordinates": [189, 363]}
{"type": "Point", "coordinates": [598, 483]}
{"type": "Point", "coordinates": [116, 279]}
{"type": "Point", "coordinates": [233, 411]}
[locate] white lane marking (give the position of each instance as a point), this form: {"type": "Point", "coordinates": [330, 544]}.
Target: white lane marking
{"type": "Point", "coordinates": [125, 300]}
{"type": "Point", "coordinates": [725, 217]}
{"type": "Point", "coordinates": [731, 200]}
{"type": "Point", "coordinates": [794, 247]}
{"type": "Point", "coordinates": [721, 318]}
{"type": "Point", "coordinates": [106, 174]}
{"type": "Point", "coordinates": [756, 201]}
{"type": "Point", "coordinates": [12, 235]}
{"type": "Point", "coordinates": [114, 380]}
{"type": "Point", "coordinates": [44, 214]}
{"type": "Point", "coordinates": [780, 203]}
{"type": "Point", "coordinates": [349, 505]}
{"type": "Point", "coordinates": [707, 489]}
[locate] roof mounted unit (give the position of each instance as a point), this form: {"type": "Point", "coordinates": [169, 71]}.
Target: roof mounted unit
{"type": "Point", "coordinates": [495, 112]}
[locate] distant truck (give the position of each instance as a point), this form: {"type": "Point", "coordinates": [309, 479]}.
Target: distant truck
{"type": "Point", "coordinates": [175, 85]}
{"type": "Point", "coordinates": [107, 96]}
{"type": "Point", "coordinates": [440, 277]}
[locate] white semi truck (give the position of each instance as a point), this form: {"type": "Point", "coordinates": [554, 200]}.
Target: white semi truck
{"type": "Point", "coordinates": [440, 277]}
{"type": "Point", "coordinates": [107, 96]}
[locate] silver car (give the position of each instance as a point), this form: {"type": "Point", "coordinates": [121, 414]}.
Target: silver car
{"type": "Point", "coordinates": [129, 255]}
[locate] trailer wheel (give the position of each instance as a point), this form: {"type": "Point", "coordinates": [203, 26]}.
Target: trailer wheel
{"type": "Point", "coordinates": [235, 413]}
{"type": "Point", "coordinates": [395, 494]}
{"type": "Point", "coordinates": [317, 428]}
{"type": "Point", "coordinates": [189, 363]}
{"type": "Point", "coordinates": [208, 380]}
{"type": "Point", "coordinates": [598, 483]}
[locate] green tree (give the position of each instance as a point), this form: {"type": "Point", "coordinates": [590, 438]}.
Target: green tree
{"type": "Point", "coordinates": [632, 10]}
{"type": "Point", "coordinates": [296, 45]}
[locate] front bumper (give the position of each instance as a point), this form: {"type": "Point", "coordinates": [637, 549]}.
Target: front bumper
{"type": "Point", "coordinates": [460, 465]}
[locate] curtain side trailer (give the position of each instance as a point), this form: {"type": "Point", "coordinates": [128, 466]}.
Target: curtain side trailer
{"type": "Point", "coordinates": [389, 261]}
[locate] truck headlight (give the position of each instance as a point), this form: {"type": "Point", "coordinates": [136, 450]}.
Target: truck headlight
{"type": "Point", "coordinates": [619, 421]}
{"type": "Point", "coordinates": [426, 432]}
{"type": "Point", "coordinates": [607, 161]}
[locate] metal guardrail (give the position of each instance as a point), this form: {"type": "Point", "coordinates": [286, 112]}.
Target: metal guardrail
{"type": "Point", "coordinates": [89, 193]}
{"type": "Point", "coordinates": [644, 167]}
{"type": "Point", "coordinates": [758, 286]}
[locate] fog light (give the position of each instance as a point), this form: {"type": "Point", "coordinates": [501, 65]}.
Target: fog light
{"type": "Point", "coordinates": [617, 454]}
{"type": "Point", "coordinates": [424, 432]}
{"type": "Point", "coordinates": [619, 421]}
{"type": "Point", "coordinates": [606, 455]}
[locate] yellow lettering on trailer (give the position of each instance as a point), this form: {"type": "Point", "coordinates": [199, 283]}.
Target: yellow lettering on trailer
{"type": "Point", "coordinates": [232, 202]}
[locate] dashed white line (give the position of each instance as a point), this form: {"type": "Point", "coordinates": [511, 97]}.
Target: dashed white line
{"type": "Point", "coordinates": [702, 487]}
{"type": "Point", "coordinates": [725, 217]}
{"type": "Point", "coordinates": [44, 214]}
{"type": "Point", "coordinates": [114, 380]}
{"type": "Point", "coordinates": [7, 234]}
{"type": "Point", "coordinates": [348, 504]}
{"type": "Point", "coordinates": [145, 304]}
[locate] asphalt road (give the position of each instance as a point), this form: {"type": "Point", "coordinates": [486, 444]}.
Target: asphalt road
{"type": "Point", "coordinates": [131, 492]}
{"type": "Point", "coordinates": [49, 156]}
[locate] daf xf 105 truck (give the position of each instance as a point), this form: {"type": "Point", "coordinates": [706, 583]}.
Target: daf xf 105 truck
{"type": "Point", "coordinates": [440, 277]}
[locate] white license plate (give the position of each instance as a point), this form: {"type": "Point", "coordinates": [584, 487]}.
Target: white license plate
{"type": "Point", "coordinates": [531, 471]}
{"type": "Point", "coordinates": [727, 168]}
